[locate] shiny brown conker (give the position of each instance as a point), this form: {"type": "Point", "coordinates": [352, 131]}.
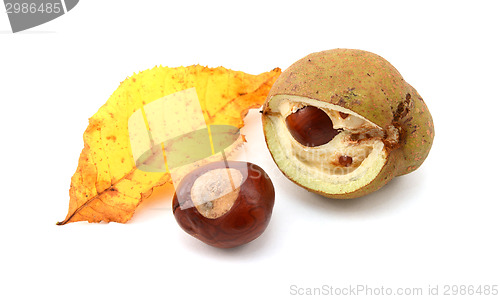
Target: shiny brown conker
{"type": "Point", "coordinates": [224, 204]}
{"type": "Point", "coordinates": [311, 126]}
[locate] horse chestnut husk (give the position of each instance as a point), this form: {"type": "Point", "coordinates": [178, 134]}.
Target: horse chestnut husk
{"type": "Point", "coordinates": [224, 204]}
{"type": "Point", "coordinates": [343, 123]}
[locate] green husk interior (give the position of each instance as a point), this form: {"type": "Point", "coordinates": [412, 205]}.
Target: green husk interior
{"type": "Point", "coordinates": [311, 176]}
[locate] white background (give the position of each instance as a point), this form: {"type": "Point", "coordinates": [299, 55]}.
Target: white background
{"type": "Point", "coordinates": [436, 226]}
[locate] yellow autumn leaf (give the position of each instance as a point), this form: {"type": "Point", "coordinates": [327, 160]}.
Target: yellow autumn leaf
{"type": "Point", "coordinates": [108, 185]}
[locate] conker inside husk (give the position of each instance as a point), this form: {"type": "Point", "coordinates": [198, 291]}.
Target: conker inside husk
{"type": "Point", "coordinates": [224, 204]}
{"type": "Point", "coordinates": [311, 126]}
